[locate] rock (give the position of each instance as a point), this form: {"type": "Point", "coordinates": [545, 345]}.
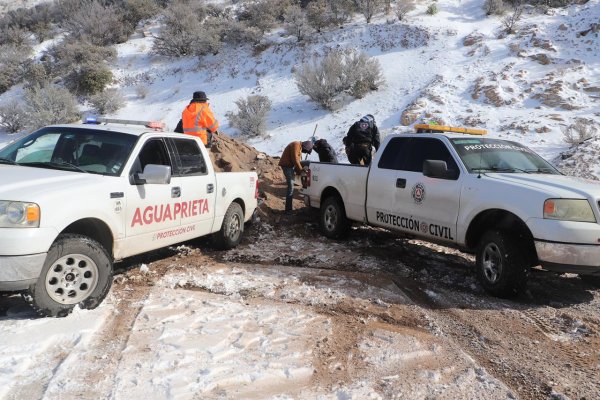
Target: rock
{"type": "Point", "coordinates": [473, 39]}
{"type": "Point", "coordinates": [541, 58]}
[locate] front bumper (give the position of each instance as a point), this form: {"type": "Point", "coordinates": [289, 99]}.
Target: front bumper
{"type": "Point", "coordinates": [18, 272]}
{"type": "Point", "coordinates": [566, 257]}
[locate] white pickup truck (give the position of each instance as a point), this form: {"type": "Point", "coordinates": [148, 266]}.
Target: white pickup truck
{"type": "Point", "coordinates": [492, 197]}
{"type": "Point", "coordinates": [76, 198]}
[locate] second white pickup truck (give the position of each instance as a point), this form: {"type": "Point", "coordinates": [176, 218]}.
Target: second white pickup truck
{"type": "Point", "coordinates": [495, 198]}
{"type": "Point", "coordinates": [74, 199]}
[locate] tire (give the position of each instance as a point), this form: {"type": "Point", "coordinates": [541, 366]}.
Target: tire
{"type": "Point", "coordinates": [501, 264]}
{"type": "Point", "coordinates": [592, 280]}
{"type": "Point", "coordinates": [77, 271]}
{"type": "Point", "coordinates": [333, 221]}
{"type": "Point", "coordinates": [232, 228]}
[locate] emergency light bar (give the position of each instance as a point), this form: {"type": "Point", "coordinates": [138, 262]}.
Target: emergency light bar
{"type": "Point", "coordinates": [426, 128]}
{"type": "Point", "coordinates": [157, 125]}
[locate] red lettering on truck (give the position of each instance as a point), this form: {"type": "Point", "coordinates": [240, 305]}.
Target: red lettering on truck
{"type": "Point", "coordinates": [168, 212]}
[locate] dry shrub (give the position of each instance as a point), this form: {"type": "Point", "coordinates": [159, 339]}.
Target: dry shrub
{"type": "Point", "coordinates": [403, 8]}
{"type": "Point", "coordinates": [493, 7]}
{"type": "Point", "coordinates": [107, 102]}
{"type": "Point", "coordinates": [581, 130]}
{"type": "Point", "coordinates": [339, 72]}
{"type": "Point", "coordinates": [13, 117]}
{"type": "Point", "coordinates": [99, 24]}
{"type": "Point", "coordinates": [251, 117]}
{"type": "Point", "coordinates": [49, 105]}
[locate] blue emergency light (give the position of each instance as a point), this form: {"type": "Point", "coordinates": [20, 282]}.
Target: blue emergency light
{"type": "Point", "coordinates": [91, 120]}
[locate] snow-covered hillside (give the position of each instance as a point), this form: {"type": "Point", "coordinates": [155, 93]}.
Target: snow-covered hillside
{"type": "Point", "coordinates": [455, 67]}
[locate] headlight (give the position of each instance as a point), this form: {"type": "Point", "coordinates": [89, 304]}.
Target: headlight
{"type": "Point", "coordinates": [569, 210]}
{"type": "Point", "coordinates": [17, 214]}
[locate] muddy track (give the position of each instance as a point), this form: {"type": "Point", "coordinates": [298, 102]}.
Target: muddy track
{"type": "Point", "coordinates": [541, 345]}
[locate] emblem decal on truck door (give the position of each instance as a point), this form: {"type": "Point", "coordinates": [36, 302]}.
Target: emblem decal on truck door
{"type": "Point", "coordinates": [418, 193]}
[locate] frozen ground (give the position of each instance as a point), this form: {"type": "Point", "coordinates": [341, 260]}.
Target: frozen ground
{"type": "Point", "coordinates": [285, 316]}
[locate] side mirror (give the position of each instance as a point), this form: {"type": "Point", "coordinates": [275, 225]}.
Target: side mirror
{"type": "Point", "coordinates": [153, 174]}
{"type": "Point", "coordinates": [438, 169]}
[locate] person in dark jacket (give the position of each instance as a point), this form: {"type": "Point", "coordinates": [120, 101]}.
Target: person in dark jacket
{"type": "Point", "coordinates": [362, 136]}
{"type": "Point", "coordinates": [325, 151]}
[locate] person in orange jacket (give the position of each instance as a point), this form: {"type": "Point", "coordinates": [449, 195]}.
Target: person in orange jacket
{"type": "Point", "coordinates": [290, 164]}
{"type": "Point", "coordinates": [197, 119]}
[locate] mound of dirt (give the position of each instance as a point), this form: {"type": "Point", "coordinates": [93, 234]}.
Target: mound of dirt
{"type": "Point", "coordinates": [231, 155]}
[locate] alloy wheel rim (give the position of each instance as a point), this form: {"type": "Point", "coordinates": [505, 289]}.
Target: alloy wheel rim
{"type": "Point", "coordinates": [234, 227]}
{"type": "Point", "coordinates": [492, 262]}
{"type": "Point", "coordinates": [330, 218]}
{"type": "Point", "coordinates": [71, 279]}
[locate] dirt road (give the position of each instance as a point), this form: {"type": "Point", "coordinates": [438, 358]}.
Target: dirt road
{"type": "Point", "coordinates": [376, 316]}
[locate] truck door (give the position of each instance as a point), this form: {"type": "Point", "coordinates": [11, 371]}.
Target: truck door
{"type": "Point", "coordinates": [422, 205]}
{"type": "Point", "coordinates": [151, 208]}
{"type": "Point", "coordinates": [382, 180]}
{"type": "Point", "coordinates": [198, 187]}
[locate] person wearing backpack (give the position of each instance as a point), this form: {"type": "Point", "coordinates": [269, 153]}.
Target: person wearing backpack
{"type": "Point", "coordinates": [325, 151]}
{"type": "Point", "coordinates": [362, 136]}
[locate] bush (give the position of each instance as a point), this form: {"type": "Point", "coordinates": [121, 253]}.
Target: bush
{"type": "Point", "coordinates": [432, 9]}
{"type": "Point", "coordinates": [13, 64]}
{"type": "Point", "coordinates": [251, 118]}
{"type": "Point", "coordinates": [583, 129]}
{"type": "Point", "coordinates": [12, 35]}
{"type": "Point", "coordinates": [89, 79]}
{"type": "Point", "coordinates": [13, 117]}
{"type": "Point", "coordinates": [510, 21]}
{"type": "Point", "coordinates": [403, 8]}
{"type": "Point", "coordinates": [139, 10]}
{"type": "Point", "coordinates": [326, 13]}
{"type": "Point", "coordinates": [368, 8]}
{"type": "Point", "coordinates": [295, 22]}
{"type": "Point", "coordinates": [141, 91]}
{"type": "Point", "coordinates": [363, 74]}
{"type": "Point", "coordinates": [493, 7]}
{"type": "Point", "coordinates": [81, 65]}
{"type": "Point", "coordinates": [181, 29]}
{"type": "Point", "coordinates": [264, 14]}
{"type": "Point", "coordinates": [337, 73]}
{"type": "Point", "coordinates": [100, 25]}
{"type": "Point", "coordinates": [49, 105]}
{"type": "Point", "coordinates": [107, 102]}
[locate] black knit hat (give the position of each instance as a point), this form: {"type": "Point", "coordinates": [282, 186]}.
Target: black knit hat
{"type": "Point", "coordinates": [201, 96]}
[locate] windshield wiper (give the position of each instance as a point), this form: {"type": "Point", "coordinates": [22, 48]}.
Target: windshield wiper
{"type": "Point", "coordinates": [57, 165]}
{"type": "Point", "coordinates": [503, 169]}
{"type": "Point", "coordinates": [7, 161]}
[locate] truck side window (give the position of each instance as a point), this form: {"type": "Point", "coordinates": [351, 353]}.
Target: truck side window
{"type": "Point", "coordinates": [153, 152]}
{"type": "Point", "coordinates": [422, 149]}
{"type": "Point", "coordinates": [189, 158]}
{"type": "Point", "coordinates": [395, 154]}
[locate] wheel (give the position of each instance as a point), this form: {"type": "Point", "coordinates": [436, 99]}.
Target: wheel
{"type": "Point", "coordinates": [333, 221]}
{"type": "Point", "coordinates": [501, 264]}
{"type": "Point", "coordinates": [593, 280]}
{"type": "Point", "coordinates": [232, 228]}
{"type": "Point", "coordinates": [77, 271]}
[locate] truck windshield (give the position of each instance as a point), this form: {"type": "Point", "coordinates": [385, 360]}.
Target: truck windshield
{"type": "Point", "coordinates": [481, 155]}
{"type": "Point", "coordinates": [72, 149]}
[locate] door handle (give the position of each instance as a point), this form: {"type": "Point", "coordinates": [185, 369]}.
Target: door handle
{"type": "Point", "coordinates": [176, 191]}
{"type": "Point", "coordinates": [401, 183]}
{"type": "Point", "coordinates": [210, 188]}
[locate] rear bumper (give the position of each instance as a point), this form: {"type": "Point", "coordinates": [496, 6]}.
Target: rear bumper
{"type": "Point", "coordinates": [18, 272]}
{"type": "Point", "coordinates": [567, 257]}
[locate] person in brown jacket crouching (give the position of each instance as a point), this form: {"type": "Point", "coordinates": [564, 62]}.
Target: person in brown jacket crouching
{"type": "Point", "coordinates": [290, 164]}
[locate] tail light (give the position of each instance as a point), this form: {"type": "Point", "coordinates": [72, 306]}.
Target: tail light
{"type": "Point", "coordinates": [256, 190]}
